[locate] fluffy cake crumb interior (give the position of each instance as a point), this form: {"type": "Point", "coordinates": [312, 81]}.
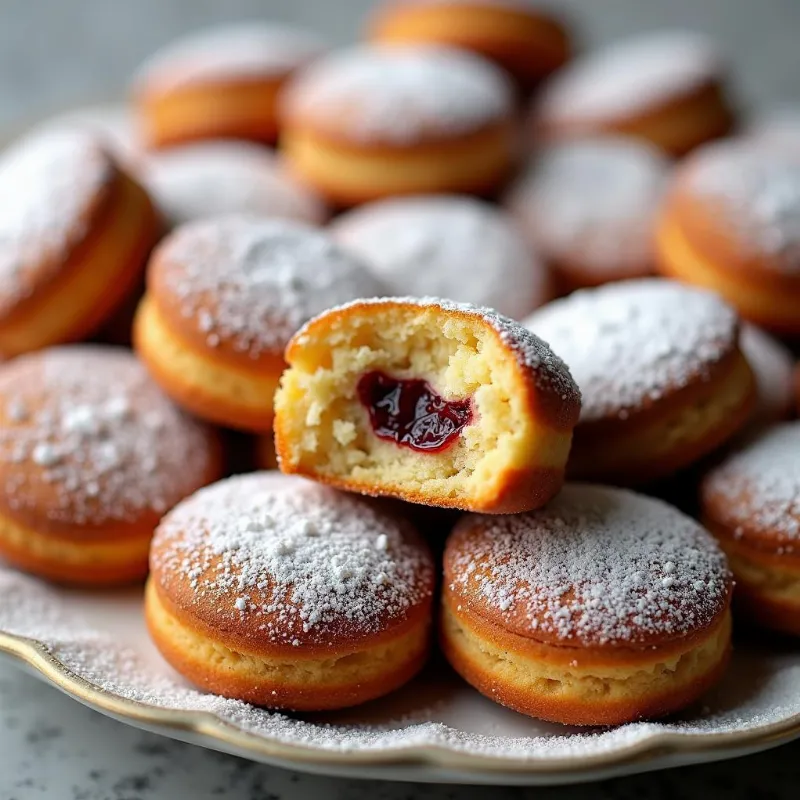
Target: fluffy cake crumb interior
{"type": "Point", "coordinates": [327, 430]}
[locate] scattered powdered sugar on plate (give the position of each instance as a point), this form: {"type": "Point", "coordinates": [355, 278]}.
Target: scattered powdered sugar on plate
{"type": "Point", "coordinates": [254, 281]}
{"type": "Point", "coordinates": [294, 557]}
{"type": "Point", "coordinates": [773, 366]}
{"type": "Point", "coordinates": [631, 75]}
{"type": "Point", "coordinates": [225, 177]}
{"type": "Point", "coordinates": [399, 94]}
{"type": "Point", "coordinates": [629, 344]}
{"type": "Point", "coordinates": [241, 51]}
{"type": "Point", "coordinates": [50, 182]}
{"type": "Point", "coordinates": [597, 566]}
{"type": "Point", "coordinates": [454, 247]}
{"type": "Point", "coordinates": [758, 488]}
{"type": "Point", "coordinates": [757, 190]}
{"type": "Point", "coordinates": [87, 437]}
{"type": "Point", "coordinates": [761, 689]}
{"type": "Point", "coordinates": [594, 202]}
{"type": "Point", "coordinates": [531, 352]}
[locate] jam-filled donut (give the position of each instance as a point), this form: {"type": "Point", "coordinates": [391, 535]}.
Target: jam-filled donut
{"type": "Point", "coordinates": [367, 123]}
{"type": "Point", "coordinates": [428, 401]}
{"type": "Point", "coordinates": [589, 209]}
{"type": "Point", "coordinates": [220, 83]}
{"type": "Point", "coordinates": [667, 88]}
{"type": "Point", "coordinates": [773, 367]}
{"type": "Point", "coordinates": [447, 246]}
{"type": "Point", "coordinates": [223, 298]}
{"type": "Point", "coordinates": [75, 231]}
{"type": "Point", "coordinates": [529, 41]}
{"type": "Point", "coordinates": [604, 607]}
{"type": "Point", "coordinates": [91, 456]}
{"type": "Point", "coordinates": [749, 502]}
{"type": "Point", "coordinates": [289, 594]}
{"type": "Point", "coordinates": [210, 179]}
{"type": "Point", "coordinates": [730, 224]}
{"type": "Point", "coordinates": [661, 375]}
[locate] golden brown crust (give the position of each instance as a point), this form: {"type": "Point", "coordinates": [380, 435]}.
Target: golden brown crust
{"type": "Point", "coordinates": [276, 688]}
{"type": "Point", "coordinates": [583, 693]}
{"type": "Point", "coordinates": [526, 41]}
{"type": "Point", "coordinates": [71, 297]}
{"type": "Point", "coordinates": [348, 173]}
{"type": "Point", "coordinates": [677, 429]}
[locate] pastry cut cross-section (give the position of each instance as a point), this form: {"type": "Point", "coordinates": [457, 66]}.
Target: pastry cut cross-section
{"type": "Point", "coordinates": [428, 401]}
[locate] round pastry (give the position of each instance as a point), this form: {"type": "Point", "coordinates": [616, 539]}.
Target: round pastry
{"type": "Point", "coordinates": [730, 223]}
{"type": "Point", "coordinates": [773, 367]}
{"type": "Point", "coordinates": [528, 40]}
{"type": "Point", "coordinates": [603, 608]}
{"type": "Point", "coordinates": [589, 209]}
{"type": "Point", "coordinates": [367, 123]}
{"type": "Point", "coordinates": [209, 179]}
{"type": "Point", "coordinates": [75, 231]}
{"type": "Point", "coordinates": [749, 502]}
{"type": "Point", "coordinates": [223, 298]}
{"type": "Point", "coordinates": [91, 455]}
{"type": "Point", "coordinates": [666, 88]}
{"type": "Point", "coordinates": [455, 247]}
{"type": "Point", "coordinates": [662, 377]}
{"type": "Point", "coordinates": [429, 401]}
{"type": "Point", "coordinates": [288, 594]}
{"type": "Point", "coordinates": [220, 83]}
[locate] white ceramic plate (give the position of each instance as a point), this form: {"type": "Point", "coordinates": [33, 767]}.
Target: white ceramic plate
{"type": "Point", "coordinates": [94, 647]}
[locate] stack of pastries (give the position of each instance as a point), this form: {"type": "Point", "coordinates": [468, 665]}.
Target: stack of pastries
{"type": "Point", "coordinates": [399, 290]}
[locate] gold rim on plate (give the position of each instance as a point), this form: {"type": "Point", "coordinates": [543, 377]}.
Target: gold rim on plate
{"type": "Point", "coordinates": [204, 724]}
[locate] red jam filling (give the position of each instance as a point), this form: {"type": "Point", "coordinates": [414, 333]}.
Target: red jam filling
{"type": "Point", "coordinates": [410, 413]}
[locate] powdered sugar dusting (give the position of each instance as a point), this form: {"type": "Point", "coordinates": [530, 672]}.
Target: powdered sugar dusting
{"type": "Point", "coordinates": [244, 50]}
{"type": "Point", "coordinates": [597, 566]}
{"type": "Point", "coordinates": [49, 182]}
{"type": "Point", "coordinates": [760, 485]}
{"type": "Point", "coordinates": [299, 556]}
{"type": "Point", "coordinates": [594, 203]}
{"type": "Point", "coordinates": [86, 429]}
{"type": "Point", "coordinates": [255, 281]}
{"type": "Point", "coordinates": [773, 366]}
{"type": "Point", "coordinates": [398, 94]}
{"type": "Point", "coordinates": [762, 688]}
{"type": "Point", "coordinates": [551, 373]}
{"type": "Point", "coordinates": [453, 247]}
{"type": "Point", "coordinates": [631, 75]}
{"type": "Point", "coordinates": [628, 344]}
{"type": "Point", "coordinates": [216, 178]}
{"type": "Point", "coordinates": [757, 189]}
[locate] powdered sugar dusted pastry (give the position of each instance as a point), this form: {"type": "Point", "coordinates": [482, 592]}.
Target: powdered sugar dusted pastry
{"type": "Point", "coordinates": [661, 375]}
{"type": "Point", "coordinates": [309, 599]}
{"type": "Point", "coordinates": [732, 223]}
{"type": "Point", "coordinates": [447, 246]}
{"type": "Point", "coordinates": [211, 179]}
{"type": "Point", "coordinates": [750, 502]}
{"type": "Point", "coordinates": [91, 455]}
{"type": "Point", "coordinates": [589, 209]}
{"type": "Point", "coordinates": [779, 128]}
{"type": "Point", "coordinates": [773, 367]}
{"type": "Point", "coordinates": [428, 401]}
{"type": "Point", "coordinates": [367, 123]}
{"type": "Point", "coordinates": [224, 296]}
{"type": "Point", "coordinates": [75, 231]}
{"type": "Point", "coordinates": [602, 608]}
{"type": "Point", "coordinates": [221, 82]}
{"type": "Point", "coordinates": [529, 40]}
{"type": "Point", "coordinates": [667, 88]}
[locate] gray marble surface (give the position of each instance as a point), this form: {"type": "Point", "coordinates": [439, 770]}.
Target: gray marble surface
{"type": "Point", "coordinates": [59, 53]}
